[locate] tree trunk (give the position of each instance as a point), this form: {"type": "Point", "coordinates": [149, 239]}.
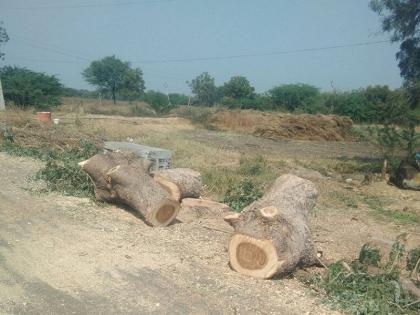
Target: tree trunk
{"type": "Point", "coordinates": [271, 235]}
{"type": "Point", "coordinates": [180, 182]}
{"type": "Point", "coordinates": [124, 178]}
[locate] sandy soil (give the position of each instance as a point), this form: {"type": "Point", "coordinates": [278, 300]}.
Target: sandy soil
{"type": "Point", "coordinates": [64, 255]}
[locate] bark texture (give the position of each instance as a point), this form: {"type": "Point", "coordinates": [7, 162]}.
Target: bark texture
{"type": "Point", "coordinates": [124, 178]}
{"type": "Point", "coordinates": [188, 182]}
{"type": "Point", "coordinates": [272, 235]}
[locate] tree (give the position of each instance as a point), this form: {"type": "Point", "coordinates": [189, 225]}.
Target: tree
{"type": "Point", "coordinates": [293, 96]}
{"type": "Point", "coordinates": [238, 87]}
{"type": "Point", "coordinates": [3, 38]}
{"type": "Point", "coordinates": [24, 87]}
{"type": "Point", "coordinates": [158, 101]}
{"type": "Point", "coordinates": [204, 89]}
{"type": "Point", "coordinates": [114, 77]}
{"type": "Point", "coordinates": [401, 18]}
{"type": "Point", "coordinates": [178, 99]}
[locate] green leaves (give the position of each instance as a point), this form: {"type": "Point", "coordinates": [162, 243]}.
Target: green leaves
{"type": "Point", "coordinates": [357, 290]}
{"type": "Point", "coordinates": [204, 89]}
{"type": "Point", "coordinates": [114, 77]}
{"type": "Point", "coordinates": [24, 87]}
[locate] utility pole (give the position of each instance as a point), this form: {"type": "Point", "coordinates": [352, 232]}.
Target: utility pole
{"type": "Point", "coordinates": [2, 104]}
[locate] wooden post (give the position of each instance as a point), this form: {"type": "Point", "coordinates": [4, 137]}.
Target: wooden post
{"type": "Point", "coordinates": [2, 104]}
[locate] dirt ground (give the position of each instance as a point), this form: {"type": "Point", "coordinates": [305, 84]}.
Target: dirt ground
{"type": "Point", "coordinates": [66, 255]}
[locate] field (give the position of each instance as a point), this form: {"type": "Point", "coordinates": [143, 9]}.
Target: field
{"type": "Point", "coordinates": [69, 253]}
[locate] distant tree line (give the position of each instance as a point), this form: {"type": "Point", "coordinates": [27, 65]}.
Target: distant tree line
{"type": "Point", "coordinates": [374, 104]}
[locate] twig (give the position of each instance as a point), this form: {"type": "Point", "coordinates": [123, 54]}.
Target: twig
{"type": "Point", "coordinates": [321, 262]}
{"type": "Point", "coordinates": [213, 229]}
{"type": "Point", "coordinates": [412, 303]}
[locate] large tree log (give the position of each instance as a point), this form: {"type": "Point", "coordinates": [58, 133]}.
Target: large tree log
{"type": "Point", "coordinates": [271, 235]}
{"type": "Point", "coordinates": [180, 182]}
{"type": "Point", "coordinates": [124, 178]}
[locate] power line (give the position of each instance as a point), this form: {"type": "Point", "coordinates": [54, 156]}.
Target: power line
{"type": "Point", "coordinates": [273, 53]}
{"type": "Point", "coordinates": [213, 58]}
{"type": "Point", "coordinates": [55, 50]}
{"type": "Point", "coordinates": [43, 45]}
{"type": "Point", "coordinates": [91, 5]}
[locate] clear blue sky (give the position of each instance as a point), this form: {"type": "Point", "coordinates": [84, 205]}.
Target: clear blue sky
{"type": "Point", "coordinates": [60, 41]}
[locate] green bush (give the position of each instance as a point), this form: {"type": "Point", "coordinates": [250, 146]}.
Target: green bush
{"type": "Point", "coordinates": [242, 195]}
{"type": "Point", "coordinates": [158, 101]}
{"type": "Point", "coordinates": [356, 291]}
{"type": "Point", "coordinates": [24, 87]}
{"type": "Point", "coordinates": [61, 172]}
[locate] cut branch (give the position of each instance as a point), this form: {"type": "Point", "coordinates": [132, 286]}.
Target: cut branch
{"type": "Point", "coordinates": [124, 178]}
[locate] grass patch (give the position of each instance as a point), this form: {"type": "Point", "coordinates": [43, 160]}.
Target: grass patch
{"type": "Point", "coordinates": [240, 186]}
{"type": "Point", "coordinates": [344, 198]}
{"type": "Point", "coordinates": [242, 195]}
{"type": "Point", "coordinates": [356, 289]}
{"type": "Point", "coordinates": [197, 115]}
{"type": "Point", "coordinates": [378, 205]}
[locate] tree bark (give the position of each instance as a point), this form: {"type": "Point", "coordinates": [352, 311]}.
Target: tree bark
{"type": "Point", "coordinates": [272, 235]}
{"type": "Point", "coordinates": [124, 178]}
{"type": "Point", "coordinates": [180, 182]}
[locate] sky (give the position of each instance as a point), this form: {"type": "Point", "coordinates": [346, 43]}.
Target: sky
{"type": "Point", "coordinates": [61, 37]}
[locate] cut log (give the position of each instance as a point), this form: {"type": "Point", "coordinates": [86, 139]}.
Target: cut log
{"type": "Point", "coordinates": [272, 235]}
{"type": "Point", "coordinates": [124, 178]}
{"type": "Point", "coordinates": [188, 183]}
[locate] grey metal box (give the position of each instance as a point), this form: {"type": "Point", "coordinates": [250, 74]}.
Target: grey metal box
{"type": "Point", "coordinates": [161, 158]}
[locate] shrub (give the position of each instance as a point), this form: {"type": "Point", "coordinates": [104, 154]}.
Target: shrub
{"type": "Point", "coordinates": [158, 101]}
{"type": "Point", "coordinates": [242, 195]}
{"type": "Point", "coordinates": [356, 291]}
{"type": "Point", "coordinates": [24, 87]}
{"type": "Point", "coordinates": [61, 172]}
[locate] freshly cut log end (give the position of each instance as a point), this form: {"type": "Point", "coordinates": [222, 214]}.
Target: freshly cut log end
{"type": "Point", "coordinates": [253, 257]}
{"type": "Point", "coordinates": [272, 236]}
{"type": "Point", "coordinates": [164, 214]}
{"type": "Point", "coordinates": [124, 178]}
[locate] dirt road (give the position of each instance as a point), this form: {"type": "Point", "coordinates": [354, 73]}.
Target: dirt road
{"type": "Point", "coordinates": [64, 255]}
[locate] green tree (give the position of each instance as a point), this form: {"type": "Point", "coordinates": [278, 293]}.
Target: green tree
{"type": "Point", "coordinates": [114, 77]}
{"type": "Point", "coordinates": [293, 96]}
{"type": "Point", "coordinates": [401, 18]}
{"type": "Point", "coordinates": [204, 89]}
{"type": "Point", "coordinates": [158, 101]}
{"type": "Point", "coordinates": [3, 38]}
{"type": "Point", "coordinates": [178, 99]}
{"type": "Point", "coordinates": [24, 87]}
{"type": "Point", "coordinates": [238, 87]}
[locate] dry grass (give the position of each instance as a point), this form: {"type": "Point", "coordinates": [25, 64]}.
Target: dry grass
{"type": "Point", "coordinates": [271, 125]}
{"type": "Point", "coordinates": [104, 107]}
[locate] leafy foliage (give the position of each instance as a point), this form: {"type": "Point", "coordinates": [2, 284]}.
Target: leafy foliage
{"type": "Point", "coordinates": [401, 18]}
{"type": "Point", "coordinates": [238, 87]}
{"type": "Point", "coordinates": [204, 89]}
{"type": "Point", "coordinates": [24, 87]}
{"type": "Point", "coordinates": [292, 96]}
{"type": "Point", "coordinates": [115, 77]}
{"type": "Point", "coordinates": [158, 101]}
{"type": "Point", "coordinates": [240, 196]}
{"type": "Point", "coordinates": [178, 99]}
{"type": "Point", "coordinates": [61, 172]}
{"type": "Point", "coordinates": [356, 290]}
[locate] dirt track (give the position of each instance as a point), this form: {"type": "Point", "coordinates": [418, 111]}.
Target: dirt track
{"type": "Point", "coordinates": [63, 255]}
